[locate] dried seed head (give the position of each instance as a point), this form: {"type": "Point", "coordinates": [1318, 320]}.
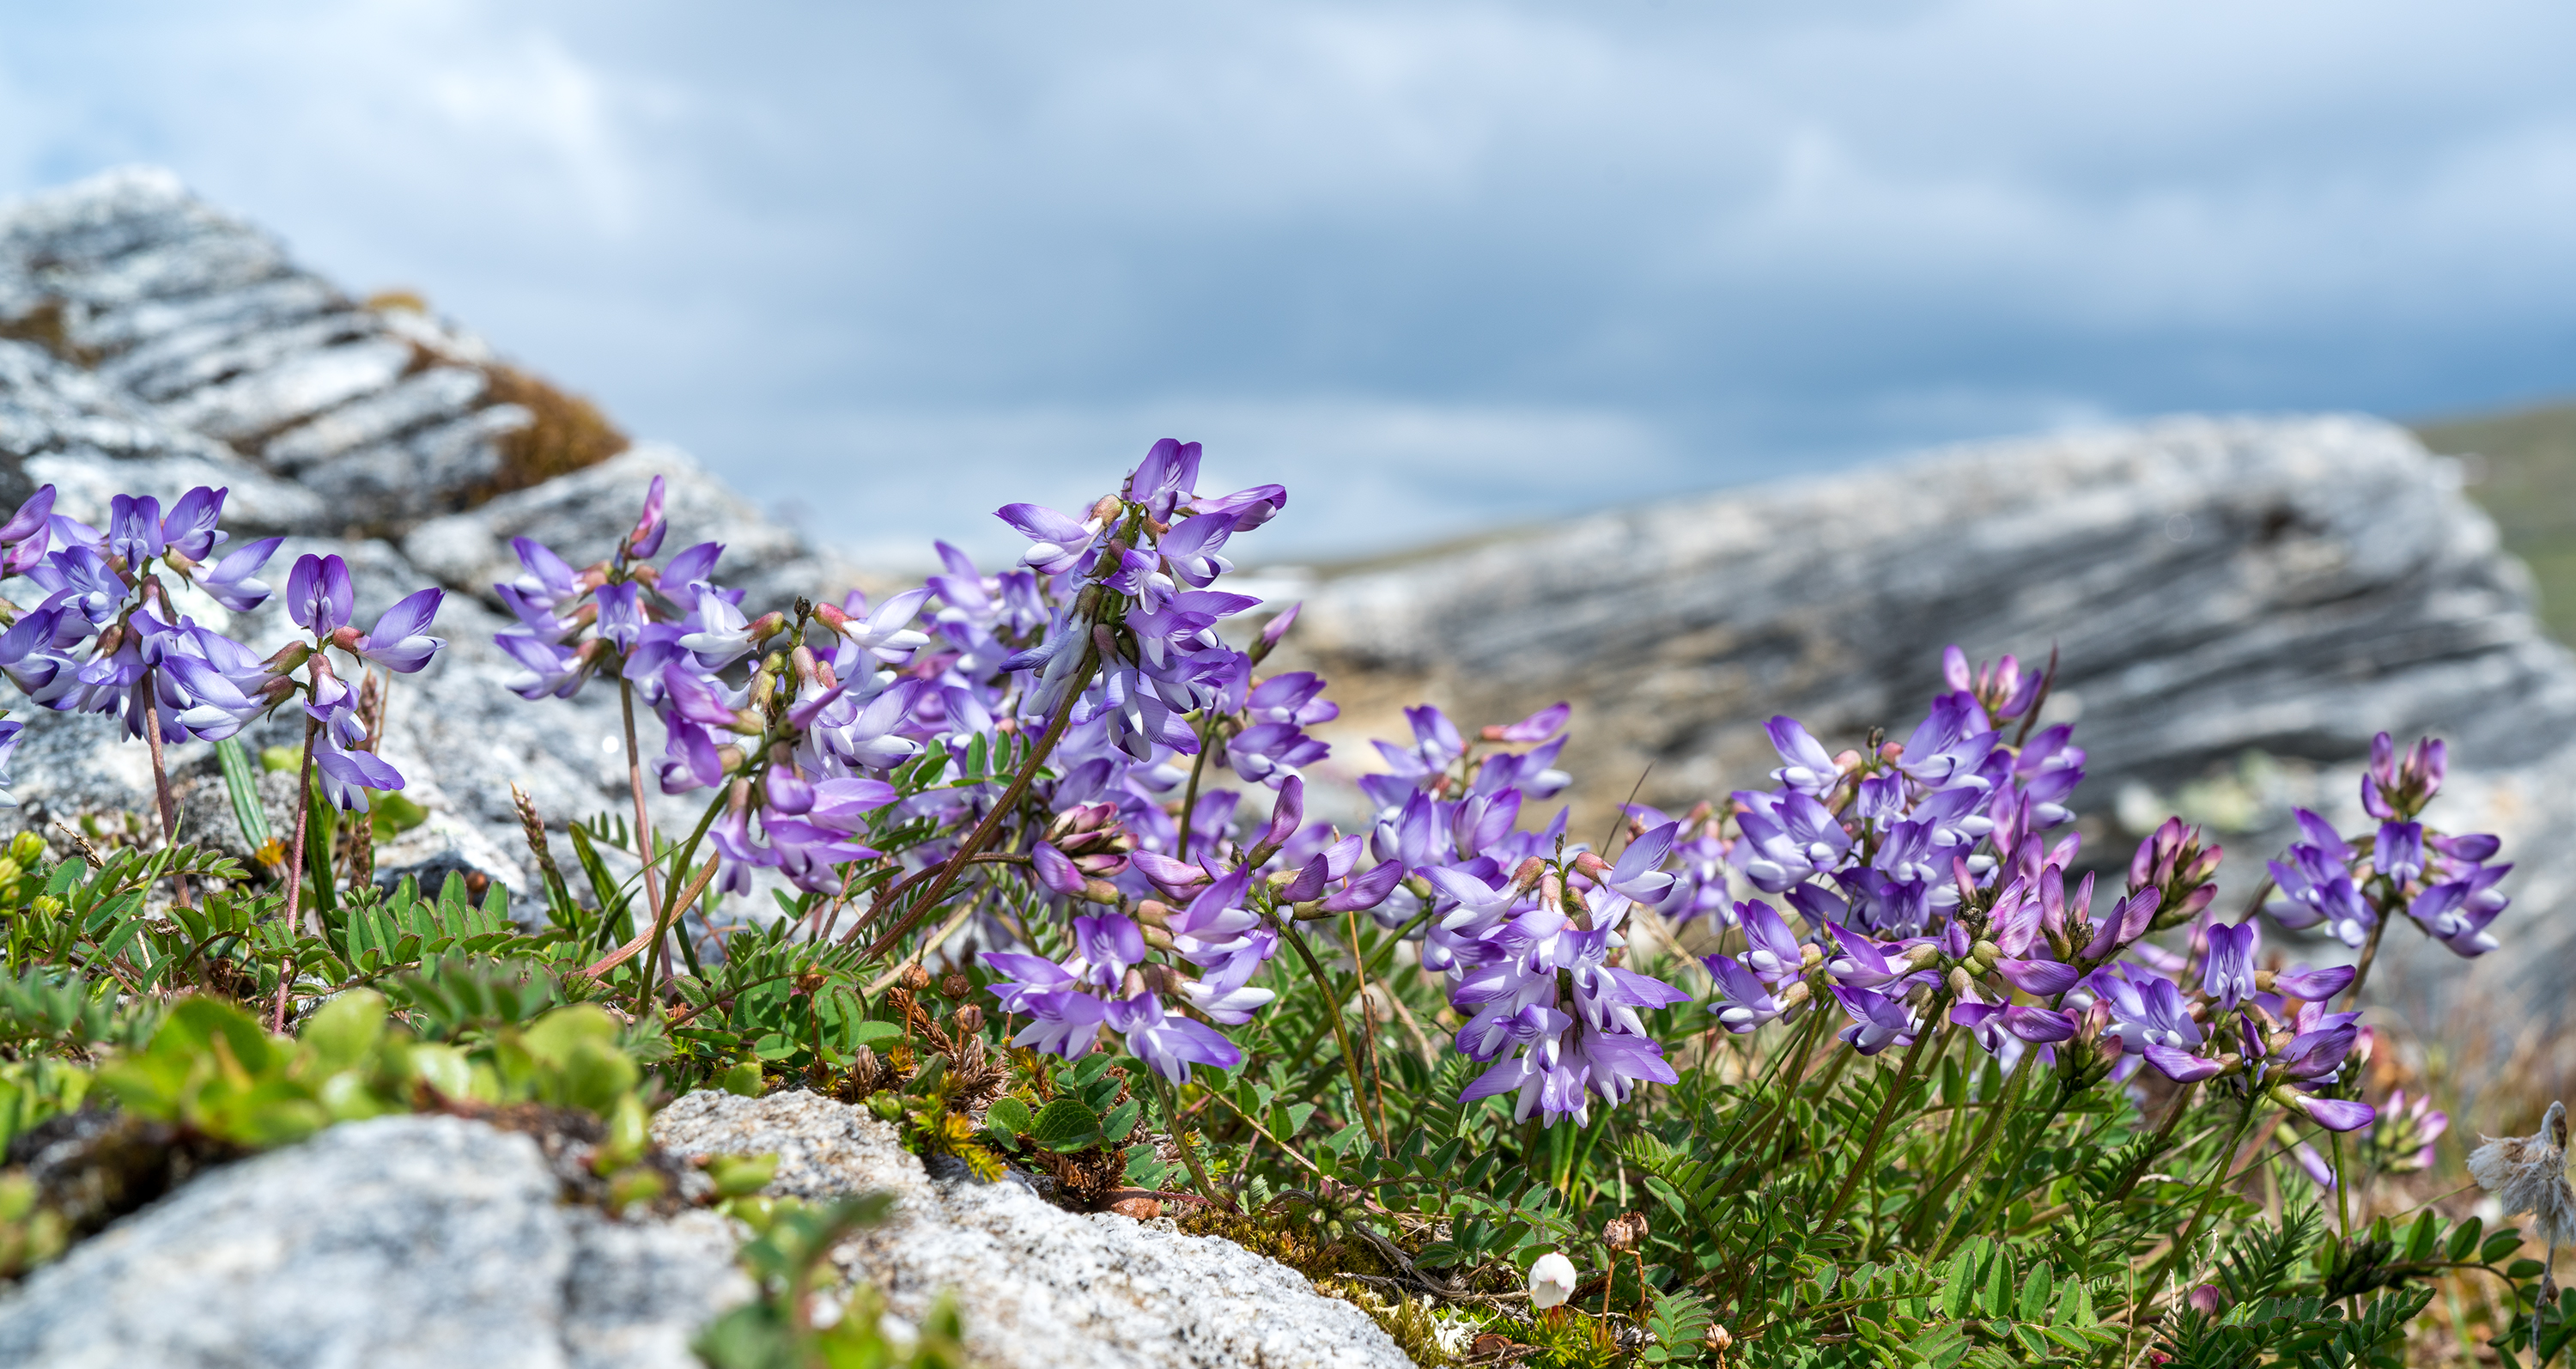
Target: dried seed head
{"type": "Point", "coordinates": [914, 978]}
{"type": "Point", "coordinates": [2529, 1174]}
{"type": "Point", "coordinates": [967, 1020]}
{"type": "Point", "coordinates": [956, 985]}
{"type": "Point", "coordinates": [1625, 1232]}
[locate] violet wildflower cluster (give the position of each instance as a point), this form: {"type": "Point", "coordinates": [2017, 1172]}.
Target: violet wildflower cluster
{"type": "Point", "coordinates": [108, 637]}
{"type": "Point", "coordinates": [1933, 879]}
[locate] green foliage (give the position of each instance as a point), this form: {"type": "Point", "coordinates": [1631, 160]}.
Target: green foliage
{"type": "Point", "coordinates": [787, 1258]}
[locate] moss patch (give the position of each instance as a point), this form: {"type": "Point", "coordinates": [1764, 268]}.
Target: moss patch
{"type": "Point", "coordinates": [568, 433]}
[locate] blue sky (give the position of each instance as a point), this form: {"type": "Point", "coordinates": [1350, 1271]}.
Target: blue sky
{"type": "Point", "coordinates": [1431, 265]}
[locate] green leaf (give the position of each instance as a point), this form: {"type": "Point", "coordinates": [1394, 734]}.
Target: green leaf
{"type": "Point", "coordinates": [1959, 1284]}
{"type": "Point", "coordinates": [1011, 1115]}
{"type": "Point", "coordinates": [345, 1030]}
{"type": "Point", "coordinates": [2499, 1245]}
{"type": "Point", "coordinates": [868, 1033]}
{"type": "Point", "coordinates": [2464, 1239]}
{"type": "Point", "coordinates": [1065, 1124]}
{"type": "Point", "coordinates": [1121, 1120]}
{"type": "Point", "coordinates": [2035, 1292]}
{"type": "Point", "coordinates": [1997, 1297]}
{"type": "Point", "coordinates": [740, 1175]}
{"type": "Point", "coordinates": [2420, 1237]}
{"type": "Point", "coordinates": [2075, 1306]}
{"type": "Point", "coordinates": [743, 1080]}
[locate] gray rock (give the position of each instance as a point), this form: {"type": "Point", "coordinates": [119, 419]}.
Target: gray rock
{"type": "Point", "coordinates": [1039, 1286]}
{"type": "Point", "coordinates": [2216, 588]}
{"type": "Point", "coordinates": [406, 1241]}
{"type": "Point", "coordinates": [183, 314]}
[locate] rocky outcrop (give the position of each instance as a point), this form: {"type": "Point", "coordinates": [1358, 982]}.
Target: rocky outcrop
{"type": "Point", "coordinates": [2217, 590]}
{"type": "Point", "coordinates": [150, 343]}
{"type": "Point", "coordinates": [406, 1241]}
{"type": "Point", "coordinates": [187, 319]}
{"type": "Point", "coordinates": [1042, 1288]}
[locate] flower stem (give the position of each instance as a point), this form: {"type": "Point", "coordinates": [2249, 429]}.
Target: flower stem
{"type": "Point", "coordinates": [1977, 1153]}
{"type": "Point", "coordinates": [635, 785]}
{"type": "Point", "coordinates": [303, 815]}
{"type": "Point", "coordinates": [2361, 972]}
{"type": "Point", "coordinates": [1887, 1108]}
{"type": "Point", "coordinates": [1190, 795]}
{"type": "Point", "coordinates": [161, 780]}
{"type": "Point", "coordinates": [991, 826]}
{"type": "Point", "coordinates": [1170, 1097]}
{"type": "Point", "coordinates": [2155, 1147]}
{"type": "Point", "coordinates": [2208, 1199]}
{"type": "Point", "coordinates": [1341, 1031]}
{"type": "Point", "coordinates": [652, 935]}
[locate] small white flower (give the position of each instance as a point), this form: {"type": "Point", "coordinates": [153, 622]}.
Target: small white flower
{"type": "Point", "coordinates": [2529, 1174]}
{"type": "Point", "coordinates": [1551, 1281]}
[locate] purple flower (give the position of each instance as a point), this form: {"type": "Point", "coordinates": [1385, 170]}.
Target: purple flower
{"type": "Point", "coordinates": [1806, 766]}
{"type": "Point", "coordinates": [2228, 973]}
{"type": "Point", "coordinates": [1744, 1000]}
{"type": "Point", "coordinates": [547, 669]}
{"type": "Point", "coordinates": [1788, 837]}
{"type": "Point", "coordinates": [134, 530]}
{"type": "Point", "coordinates": [1877, 1021]}
{"type": "Point", "coordinates": [2456, 912]}
{"type": "Point", "coordinates": [622, 618]}
{"type": "Point", "coordinates": [1990, 1023]}
{"type": "Point", "coordinates": [2334, 1114]}
{"type": "Point", "coordinates": [646, 540]}
{"type": "Point", "coordinates": [318, 596]}
{"type": "Point", "coordinates": [232, 582]}
{"type": "Point", "coordinates": [1108, 945]}
{"type": "Point", "coordinates": [347, 772]}
{"type": "Point", "coordinates": [1058, 540]}
{"type": "Point", "coordinates": [397, 641]}
{"type": "Point", "coordinates": [190, 528]}
{"type": "Point", "coordinates": [1063, 1022]}
{"type": "Point", "coordinates": [884, 633]}
{"type": "Point", "coordinates": [32, 518]}
{"type": "Point", "coordinates": [1169, 1043]}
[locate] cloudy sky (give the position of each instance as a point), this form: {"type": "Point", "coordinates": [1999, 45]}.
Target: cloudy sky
{"type": "Point", "coordinates": [1432, 265]}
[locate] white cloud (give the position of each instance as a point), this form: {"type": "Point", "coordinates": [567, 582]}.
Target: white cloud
{"type": "Point", "coordinates": [1386, 243]}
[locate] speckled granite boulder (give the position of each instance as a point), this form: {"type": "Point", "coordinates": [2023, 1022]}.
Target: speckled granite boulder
{"type": "Point", "coordinates": [402, 1243]}
{"type": "Point", "coordinates": [1041, 1288]}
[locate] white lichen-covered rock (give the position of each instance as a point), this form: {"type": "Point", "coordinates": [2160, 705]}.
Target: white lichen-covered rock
{"type": "Point", "coordinates": [196, 335]}
{"type": "Point", "coordinates": [401, 1243]}
{"type": "Point", "coordinates": [1039, 1287]}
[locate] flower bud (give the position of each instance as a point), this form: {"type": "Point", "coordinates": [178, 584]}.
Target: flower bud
{"type": "Point", "coordinates": [1107, 507]}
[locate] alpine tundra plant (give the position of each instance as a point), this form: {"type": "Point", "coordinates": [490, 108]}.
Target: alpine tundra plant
{"type": "Point", "coordinates": [1872, 1064]}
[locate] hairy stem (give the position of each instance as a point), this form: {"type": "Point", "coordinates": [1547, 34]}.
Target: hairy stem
{"type": "Point", "coordinates": [1341, 1030]}
{"type": "Point", "coordinates": [1170, 1096]}
{"type": "Point", "coordinates": [2218, 1181]}
{"type": "Point", "coordinates": [1190, 795]}
{"type": "Point", "coordinates": [2361, 971]}
{"type": "Point", "coordinates": [652, 935]}
{"type": "Point", "coordinates": [991, 826]}
{"type": "Point", "coordinates": [635, 785]}
{"type": "Point", "coordinates": [161, 780]}
{"type": "Point", "coordinates": [303, 815]}
{"type": "Point", "coordinates": [1887, 1107]}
